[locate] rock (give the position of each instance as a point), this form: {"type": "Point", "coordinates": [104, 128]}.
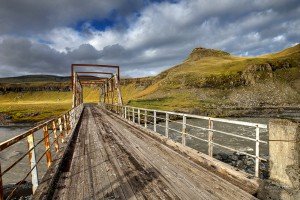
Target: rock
{"type": "Point", "coordinates": [7, 117]}
{"type": "Point", "coordinates": [234, 157]}
{"type": "Point", "coordinates": [244, 162]}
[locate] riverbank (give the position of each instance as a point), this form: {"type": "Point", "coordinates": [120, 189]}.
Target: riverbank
{"type": "Point", "coordinates": [29, 113]}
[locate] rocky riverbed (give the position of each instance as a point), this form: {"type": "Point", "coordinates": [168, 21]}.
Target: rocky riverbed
{"type": "Point", "coordinates": [244, 162]}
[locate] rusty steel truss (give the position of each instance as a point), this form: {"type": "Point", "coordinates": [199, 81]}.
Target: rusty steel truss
{"type": "Point", "coordinates": [109, 87]}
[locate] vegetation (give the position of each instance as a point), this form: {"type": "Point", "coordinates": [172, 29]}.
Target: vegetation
{"type": "Point", "coordinates": [207, 80]}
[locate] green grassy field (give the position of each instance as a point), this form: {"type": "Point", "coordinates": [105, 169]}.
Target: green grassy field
{"type": "Point", "coordinates": [206, 79]}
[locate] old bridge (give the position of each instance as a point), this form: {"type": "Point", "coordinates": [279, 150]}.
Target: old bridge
{"type": "Point", "coordinates": [112, 151]}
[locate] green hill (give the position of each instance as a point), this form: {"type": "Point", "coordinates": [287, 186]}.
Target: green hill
{"type": "Point", "coordinates": [211, 82]}
{"type": "Point", "coordinates": [212, 79]}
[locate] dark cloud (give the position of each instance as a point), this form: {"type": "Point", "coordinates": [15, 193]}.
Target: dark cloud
{"type": "Point", "coordinates": [31, 16]}
{"type": "Point", "coordinates": [22, 55]}
{"type": "Point", "coordinates": [147, 36]}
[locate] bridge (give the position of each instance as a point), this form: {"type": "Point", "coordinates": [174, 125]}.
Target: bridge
{"type": "Point", "coordinates": [113, 151]}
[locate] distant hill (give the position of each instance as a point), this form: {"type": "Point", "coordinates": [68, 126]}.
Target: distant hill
{"type": "Point", "coordinates": [35, 78]}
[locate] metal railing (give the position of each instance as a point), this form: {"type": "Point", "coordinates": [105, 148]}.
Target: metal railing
{"type": "Point", "coordinates": [55, 132]}
{"type": "Point", "coordinates": [164, 119]}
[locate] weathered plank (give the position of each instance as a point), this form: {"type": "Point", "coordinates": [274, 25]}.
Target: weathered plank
{"type": "Point", "coordinates": [113, 159]}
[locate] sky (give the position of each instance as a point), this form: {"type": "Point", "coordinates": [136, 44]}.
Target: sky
{"type": "Point", "coordinates": [144, 37]}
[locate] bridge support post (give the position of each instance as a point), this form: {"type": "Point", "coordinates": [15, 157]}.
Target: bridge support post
{"type": "Point", "coordinates": [284, 161]}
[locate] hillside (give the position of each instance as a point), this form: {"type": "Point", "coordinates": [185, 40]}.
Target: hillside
{"type": "Point", "coordinates": [215, 80]}
{"type": "Point", "coordinates": [209, 82]}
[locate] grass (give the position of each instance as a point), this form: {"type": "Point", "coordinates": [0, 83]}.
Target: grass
{"type": "Point", "coordinates": [33, 111]}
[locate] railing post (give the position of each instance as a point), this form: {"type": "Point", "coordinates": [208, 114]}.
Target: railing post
{"type": "Point", "coordinates": [145, 118]}
{"type": "Point", "coordinates": [65, 125]}
{"type": "Point", "coordinates": [71, 119]}
{"type": "Point", "coordinates": [210, 138]}
{"type": "Point", "coordinates": [139, 116]}
{"type": "Point", "coordinates": [167, 125]}
{"type": "Point", "coordinates": [184, 130]}
{"type": "Point", "coordinates": [154, 121]}
{"type": "Point", "coordinates": [47, 146]}
{"type": "Point", "coordinates": [61, 135]}
{"type": "Point", "coordinates": [56, 144]}
{"type": "Point", "coordinates": [133, 115]}
{"type": "Point", "coordinates": [125, 113]}
{"type": "Point", "coordinates": [257, 151]}
{"type": "Point", "coordinates": [68, 122]}
{"type": "Point", "coordinates": [1, 185]}
{"type": "Point", "coordinates": [32, 160]}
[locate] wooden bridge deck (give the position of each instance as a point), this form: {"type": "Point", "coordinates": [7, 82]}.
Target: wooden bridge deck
{"type": "Point", "coordinates": [113, 160]}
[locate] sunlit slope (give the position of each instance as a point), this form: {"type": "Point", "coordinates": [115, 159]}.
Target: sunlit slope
{"type": "Point", "coordinates": [215, 79]}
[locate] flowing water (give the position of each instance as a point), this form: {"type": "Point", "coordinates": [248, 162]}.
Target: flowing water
{"type": "Point", "coordinates": [239, 144]}
{"type": "Point", "coordinates": [16, 151]}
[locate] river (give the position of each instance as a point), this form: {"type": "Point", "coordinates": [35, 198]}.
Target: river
{"type": "Point", "coordinates": [14, 152]}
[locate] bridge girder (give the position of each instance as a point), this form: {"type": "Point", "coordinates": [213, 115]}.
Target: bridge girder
{"type": "Point", "coordinates": [108, 86]}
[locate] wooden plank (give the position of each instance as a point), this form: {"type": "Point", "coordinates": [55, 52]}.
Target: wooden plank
{"type": "Point", "coordinates": [232, 191]}
{"type": "Point", "coordinates": [114, 159]}
{"type": "Point", "coordinates": [115, 190]}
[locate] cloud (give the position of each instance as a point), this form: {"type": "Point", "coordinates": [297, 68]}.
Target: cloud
{"type": "Point", "coordinates": [145, 38]}
{"type": "Point", "coordinates": [30, 16]}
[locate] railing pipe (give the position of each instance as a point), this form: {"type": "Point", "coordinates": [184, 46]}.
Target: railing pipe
{"type": "Point", "coordinates": [210, 130]}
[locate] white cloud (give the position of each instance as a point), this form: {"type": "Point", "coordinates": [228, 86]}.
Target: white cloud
{"type": "Point", "coordinates": [279, 38]}
{"type": "Point", "coordinates": [62, 38]}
